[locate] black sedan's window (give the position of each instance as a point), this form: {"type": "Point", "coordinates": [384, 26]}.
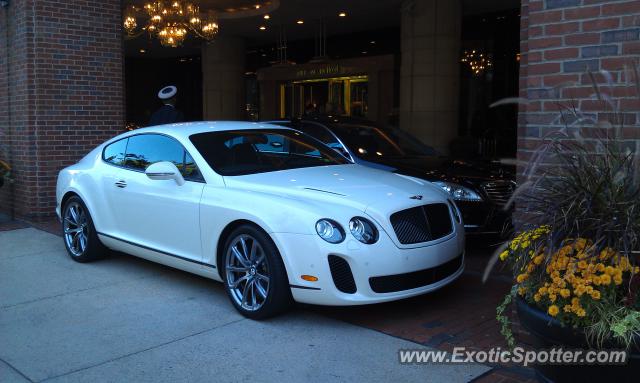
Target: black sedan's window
{"type": "Point", "coordinates": [239, 152]}
{"type": "Point", "coordinates": [374, 143]}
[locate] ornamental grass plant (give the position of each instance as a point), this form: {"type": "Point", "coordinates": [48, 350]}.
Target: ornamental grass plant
{"type": "Point", "coordinates": [575, 251]}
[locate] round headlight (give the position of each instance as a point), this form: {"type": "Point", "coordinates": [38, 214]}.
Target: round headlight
{"type": "Point", "coordinates": [363, 230]}
{"type": "Point", "coordinates": [330, 231]}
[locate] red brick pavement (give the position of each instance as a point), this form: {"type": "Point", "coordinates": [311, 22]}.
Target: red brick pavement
{"type": "Point", "coordinates": [459, 315]}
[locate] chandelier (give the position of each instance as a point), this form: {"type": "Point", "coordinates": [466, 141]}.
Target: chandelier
{"type": "Point", "coordinates": [478, 62]}
{"type": "Point", "coordinates": [170, 21]}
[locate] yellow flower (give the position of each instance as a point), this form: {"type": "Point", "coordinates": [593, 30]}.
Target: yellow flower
{"type": "Point", "coordinates": [521, 291]}
{"type": "Point", "coordinates": [565, 293]}
{"type": "Point", "coordinates": [504, 255]}
{"type": "Point", "coordinates": [538, 259]}
{"type": "Point", "coordinates": [605, 279]}
{"type": "Point", "coordinates": [610, 270]}
{"type": "Point", "coordinates": [595, 294]}
{"type": "Point", "coordinates": [522, 277]}
{"type": "Point", "coordinates": [580, 243]}
{"type": "Point", "coordinates": [536, 297]}
{"type": "Point", "coordinates": [553, 310]}
{"type": "Point", "coordinates": [617, 280]}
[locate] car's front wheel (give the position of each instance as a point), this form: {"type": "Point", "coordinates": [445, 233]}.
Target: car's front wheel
{"type": "Point", "coordinates": [80, 236]}
{"type": "Point", "coordinates": [254, 274]}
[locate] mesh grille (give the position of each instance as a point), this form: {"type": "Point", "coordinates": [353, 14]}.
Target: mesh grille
{"type": "Point", "coordinates": [499, 192]}
{"type": "Point", "coordinates": [400, 282]}
{"type": "Point", "coordinates": [341, 274]}
{"type": "Point", "coordinates": [422, 223]}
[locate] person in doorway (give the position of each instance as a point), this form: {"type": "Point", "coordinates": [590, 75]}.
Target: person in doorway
{"type": "Point", "coordinates": [167, 114]}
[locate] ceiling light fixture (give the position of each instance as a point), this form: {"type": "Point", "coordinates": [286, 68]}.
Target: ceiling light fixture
{"type": "Point", "coordinates": [170, 21]}
{"type": "Point", "coordinates": [342, 14]}
{"type": "Point", "coordinates": [300, 22]}
{"type": "Point", "coordinates": [262, 28]}
{"type": "Point", "coordinates": [477, 61]}
{"type": "Point", "coordinates": [267, 17]}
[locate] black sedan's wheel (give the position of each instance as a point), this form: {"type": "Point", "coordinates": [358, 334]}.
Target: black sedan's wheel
{"type": "Point", "coordinates": [80, 237]}
{"type": "Point", "coordinates": [255, 277]}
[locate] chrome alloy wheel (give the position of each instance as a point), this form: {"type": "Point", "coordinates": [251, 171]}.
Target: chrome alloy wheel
{"type": "Point", "coordinates": [75, 224]}
{"type": "Point", "coordinates": [247, 272]}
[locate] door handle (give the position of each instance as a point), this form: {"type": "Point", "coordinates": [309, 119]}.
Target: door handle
{"type": "Point", "coordinates": [121, 184]}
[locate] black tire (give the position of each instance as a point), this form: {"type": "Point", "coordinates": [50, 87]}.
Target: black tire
{"type": "Point", "coordinates": [93, 249]}
{"type": "Point", "coordinates": [278, 293]}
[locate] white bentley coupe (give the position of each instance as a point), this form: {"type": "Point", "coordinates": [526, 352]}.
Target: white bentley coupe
{"type": "Point", "coordinates": [272, 213]}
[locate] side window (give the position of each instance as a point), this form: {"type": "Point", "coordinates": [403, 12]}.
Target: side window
{"type": "Point", "coordinates": [114, 153]}
{"type": "Point", "coordinates": [146, 149]}
{"type": "Point", "coordinates": [190, 171]}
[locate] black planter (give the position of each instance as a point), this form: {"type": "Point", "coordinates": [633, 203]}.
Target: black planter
{"type": "Point", "coordinates": [548, 333]}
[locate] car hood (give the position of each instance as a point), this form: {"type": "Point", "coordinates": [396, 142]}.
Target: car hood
{"type": "Point", "coordinates": [447, 169]}
{"type": "Point", "coordinates": [355, 185]}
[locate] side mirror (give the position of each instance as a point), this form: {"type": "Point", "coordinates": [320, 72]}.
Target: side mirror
{"type": "Point", "coordinates": [164, 170]}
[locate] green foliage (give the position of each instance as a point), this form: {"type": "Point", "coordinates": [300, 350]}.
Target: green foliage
{"type": "Point", "coordinates": [503, 319]}
{"type": "Point", "coordinates": [618, 326]}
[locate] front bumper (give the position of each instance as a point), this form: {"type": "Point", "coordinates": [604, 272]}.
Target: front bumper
{"type": "Point", "coordinates": [482, 218]}
{"type": "Point", "coordinates": [308, 255]}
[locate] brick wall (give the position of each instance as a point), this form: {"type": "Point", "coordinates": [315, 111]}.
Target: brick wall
{"type": "Point", "coordinates": [65, 93]}
{"type": "Point", "coordinates": [560, 41]}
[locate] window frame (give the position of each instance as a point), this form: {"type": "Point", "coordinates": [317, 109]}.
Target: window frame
{"type": "Point", "coordinates": [184, 155]}
{"type": "Point", "coordinates": [330, 132]}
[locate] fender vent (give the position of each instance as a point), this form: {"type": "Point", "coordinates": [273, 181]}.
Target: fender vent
{"type": "Point", "coordinates": [341, 274]}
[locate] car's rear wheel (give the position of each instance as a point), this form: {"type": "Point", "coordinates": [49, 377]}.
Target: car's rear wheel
{"type": "Point", "coordinates": [80, 237]}
{"type": "Point", "coordinates": [254, 275]}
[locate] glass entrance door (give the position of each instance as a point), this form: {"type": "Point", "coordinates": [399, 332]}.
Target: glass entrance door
{"type": "Point", "coordinates": [343, 96]}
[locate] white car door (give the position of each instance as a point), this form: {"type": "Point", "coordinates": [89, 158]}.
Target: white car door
{"type": "Point", "coordinates": [158, 214]}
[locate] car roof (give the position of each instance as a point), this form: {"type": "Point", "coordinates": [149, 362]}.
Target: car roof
{"type": "Point", "coordinates": [186, 129]}
{"type": "Point", "coordinates": [329, 121]}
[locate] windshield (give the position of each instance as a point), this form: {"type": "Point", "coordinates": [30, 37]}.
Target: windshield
{"type": "Point", "coordinates": [240, 152]}
{"type": "Point", "coordinates": [373, 142]}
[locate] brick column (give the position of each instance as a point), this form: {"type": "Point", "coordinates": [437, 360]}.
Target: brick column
{"type": "Point", "coordinates": [560, 41]}
{"type": "Point", "coordinates": [65, 93]}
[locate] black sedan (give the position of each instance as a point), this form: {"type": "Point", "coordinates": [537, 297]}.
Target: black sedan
{"type": "Point", "coordinates": [480, 188]}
